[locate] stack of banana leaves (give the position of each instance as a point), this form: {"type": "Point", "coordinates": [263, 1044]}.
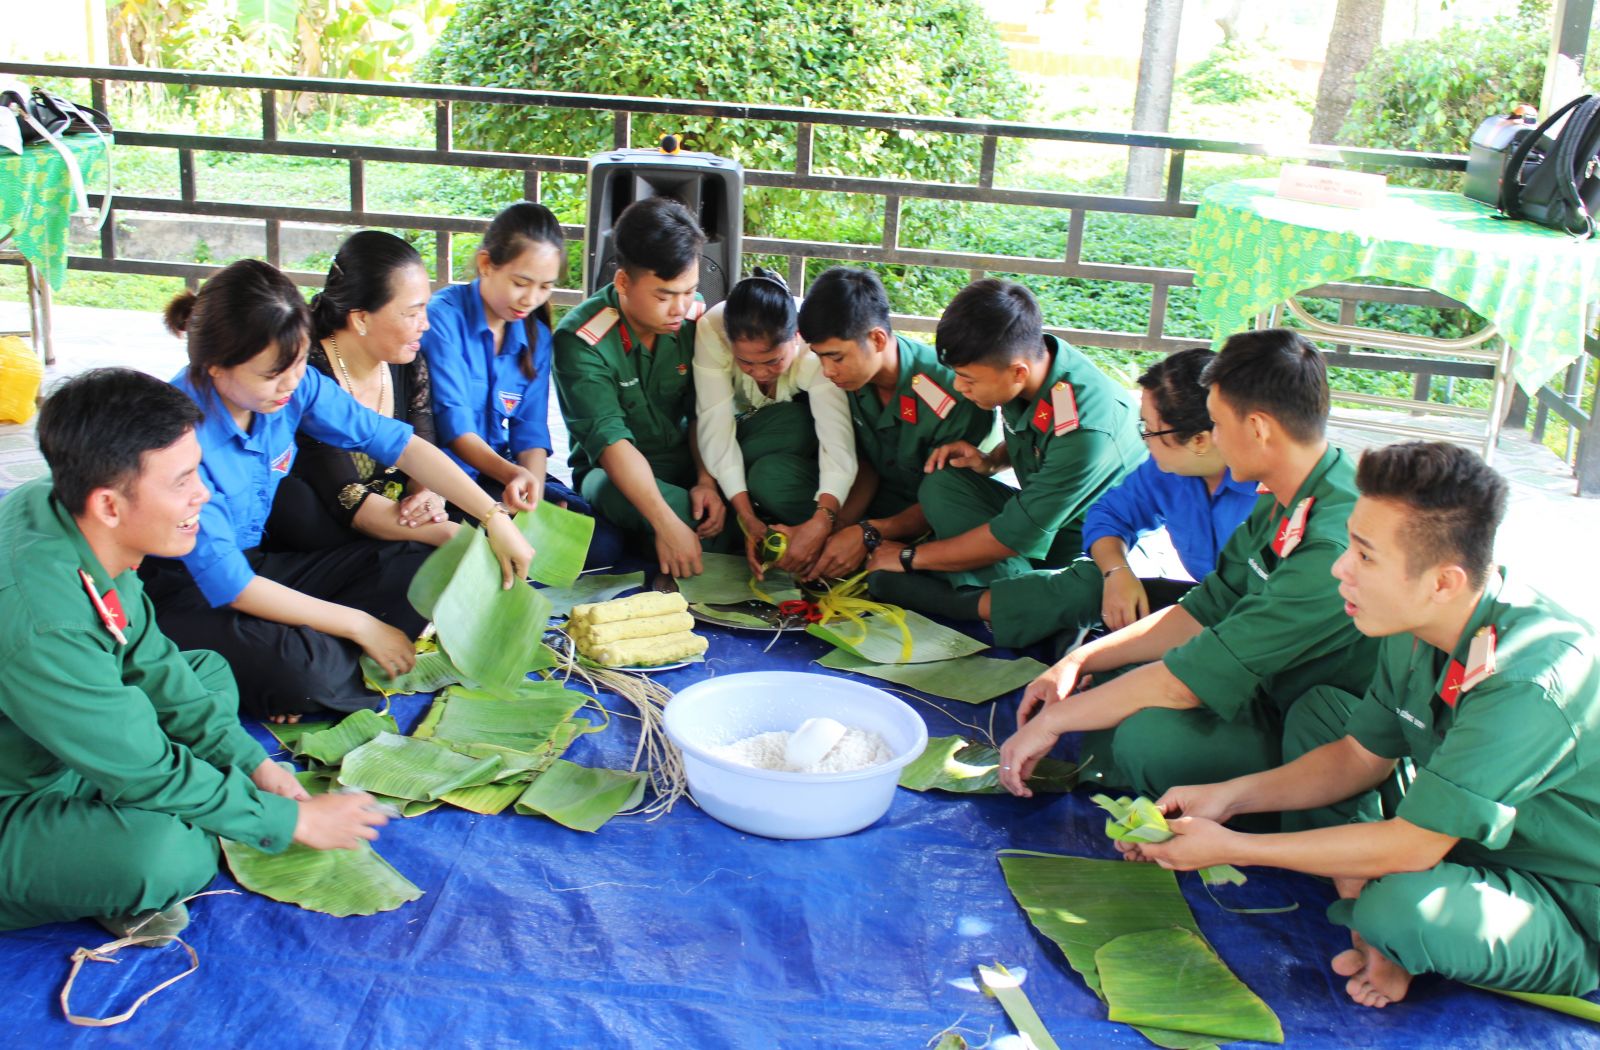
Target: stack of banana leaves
{"type": "Point", "coordinates": [491, 741]}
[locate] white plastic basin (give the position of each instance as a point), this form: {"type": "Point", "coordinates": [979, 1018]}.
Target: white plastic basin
{"type": "Point", "coordinates": [776, 803]}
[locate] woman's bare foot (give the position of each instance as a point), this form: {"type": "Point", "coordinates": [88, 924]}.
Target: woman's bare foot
{"type": "Point", "coordinates": [283, 720]}
{"type": "Point", "coordinates": [1374, 979]}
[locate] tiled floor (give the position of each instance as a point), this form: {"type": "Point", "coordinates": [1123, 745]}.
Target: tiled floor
{"type": "Point", "coordinates": [1547, 536]}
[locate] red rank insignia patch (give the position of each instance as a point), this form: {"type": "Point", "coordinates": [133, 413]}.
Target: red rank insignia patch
{"type": "Point", "coordinates": [109, 606]}
{"type": "Point", "coordinates": [281, 464]}
{"type": "Point", "coordinates": [908, 408]}
{"type": "Point", "coordinates": [1481, 665]}
{"type": "Point", "coordinates": [1041, 418]}
{"type": "Point", "coordinates": [1292, 529]}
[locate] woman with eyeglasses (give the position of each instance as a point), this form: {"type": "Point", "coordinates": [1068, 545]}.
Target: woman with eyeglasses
{"type": "Point", "coordinates": [1184, 485]}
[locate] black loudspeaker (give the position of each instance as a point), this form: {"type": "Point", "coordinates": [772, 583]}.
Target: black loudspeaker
{"type": "Point", "coordinates": [712, 188]}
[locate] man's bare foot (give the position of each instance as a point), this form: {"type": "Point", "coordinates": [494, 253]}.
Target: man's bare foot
{"type": "Point", "coordinates": [283, 720]}
{"type": "Point", "coordinates": [1374, 979]}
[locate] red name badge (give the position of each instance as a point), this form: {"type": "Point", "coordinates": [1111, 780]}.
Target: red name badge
{"type": "Point", "coordinates": [109, 606]}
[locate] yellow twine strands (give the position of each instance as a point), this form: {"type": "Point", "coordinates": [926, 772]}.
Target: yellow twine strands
{"type": "Point", "coordinates": [845, 601]}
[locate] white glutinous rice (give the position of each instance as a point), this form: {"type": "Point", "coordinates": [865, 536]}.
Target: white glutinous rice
{"type": "Point", "coordinates": [857, 749]}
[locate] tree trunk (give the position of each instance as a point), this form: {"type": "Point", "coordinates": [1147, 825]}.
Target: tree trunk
{"type": "Point", "coordinates": [1357, 31]}
{"type": "Point", "coordinates": [1152, 101]}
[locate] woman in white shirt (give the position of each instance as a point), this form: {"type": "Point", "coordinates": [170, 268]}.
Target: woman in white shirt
{"type": "Point", "coordinates": [773, 430]}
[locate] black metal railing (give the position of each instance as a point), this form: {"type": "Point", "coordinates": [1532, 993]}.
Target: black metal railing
{"type": "Point", "coordinates": [989, 138]}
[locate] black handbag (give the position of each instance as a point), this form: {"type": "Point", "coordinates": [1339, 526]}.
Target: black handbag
{"type": "Point", "coordinates": [29, 115]}
{"type": "Point", "coordinates": [1562, 191]}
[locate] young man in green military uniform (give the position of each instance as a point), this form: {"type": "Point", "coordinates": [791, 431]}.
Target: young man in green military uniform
{"type": "Point", "coordinates": [1070, 434]}
{"type": "Point", "coordinates": [122, 760]}
{"type": "Point", "coordinates": [1257, 661]}
{"type": "Point", "coordinates": [901, 405]}
{"type": "Point", "coordinates": [1489, 871]}
{"type": "Point", "coordinates": [622, 372]}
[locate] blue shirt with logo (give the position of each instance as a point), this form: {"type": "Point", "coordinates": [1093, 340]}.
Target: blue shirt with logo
{"type": "Point", "coordinates": [1198, 521]}
{"type": "Point", "coordinates": [479, 391]}
{"type": "Point", "coordinates": [243, 470]}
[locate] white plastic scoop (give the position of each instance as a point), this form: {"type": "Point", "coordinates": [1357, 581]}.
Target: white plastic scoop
{"type": "Point", "coordinates": [813, 740]}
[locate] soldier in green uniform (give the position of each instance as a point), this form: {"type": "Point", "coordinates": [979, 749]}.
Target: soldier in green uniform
{"type": "Point", "coordinates": [622, 371]}
{"type": "Point", "coordinates": [122, 760]}
{"type": "Point", "coordinates": [1070, 434]}
{"type": "Point", "coordinates": [1257, 661]}
{"type": "Point", "coordinates": [1489, 871]}
{"type": "Point", "coordinates": [902, 406]}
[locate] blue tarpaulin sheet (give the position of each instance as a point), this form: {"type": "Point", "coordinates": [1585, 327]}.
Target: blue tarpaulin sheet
{"type": "Point", "coordinates": [680, 932]}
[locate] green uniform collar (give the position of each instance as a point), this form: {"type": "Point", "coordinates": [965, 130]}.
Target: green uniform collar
{"type": "Point", "coordinates": [915, 358]}
{"type": "Point", "coordinates": [1018, 414]}
{"type": "Point", "coordinates": [1485, 614]}
{"type": "Point", "coordinates": [1313, 480]}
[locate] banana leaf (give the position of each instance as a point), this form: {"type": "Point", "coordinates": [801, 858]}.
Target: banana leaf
{"type": "Point", "coordinates": [491, 634]}
{"type": "Point", "coordinates": [520, 767]}
{"type": "Point", "coordinates": [1172, 979]}
{"type": "Point", "coordinates": [413, 769]}
{"type": "Point", "coordinates": [335, 881]}
{"type": "Point", "coordinates": [592, 587]}
{"type": "Point", "coordinates": [329, 746]}
{"type": "Point", "coordinates": [1571, 1005]}
{"type": "Point", "coordinates": [436, 573]}
{"type": "Point", "coordinates": [488, 799]}
{"type": "Point", "coordinates": [726, 578]}
{"type": "Point", "coordinates": [878, 640]}
{"type": "Point", "coordinates": [950, 763]}
{"type": "Point", "coordinates": [969, 679]}
{"type": "Point", "coordinates": [522, 724]}
{"type": "Point", "coordinates": [582, 798]}
{"type": "Point", "coordinates": [286, 733]}
{"type": "Point", "coordinates": [1083, 904]}
{"type": "Point", "coordinates": [560, 541]}
{"type": "Point", "coordinates": [1139, 820]}
{"type": "Point", "coordinates": [432, 672]}
{"type": "Point", "coordinates": [322, 780]}
{"type": "Point", "coordinates": [999, 982]}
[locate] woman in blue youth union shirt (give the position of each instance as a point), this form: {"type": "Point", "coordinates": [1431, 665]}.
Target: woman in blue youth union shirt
{"type": "Point", "coordinates": [293, 624]}
{"type": "Point", "coordinates": [488, 347]}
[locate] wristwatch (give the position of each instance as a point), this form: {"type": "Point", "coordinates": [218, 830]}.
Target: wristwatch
{"type": "Point", "coordinates": [908, 554]}
{"type": "Point", "coordinates": [498, 508]}
{"type": "Point", "coordinates": [870, 535]}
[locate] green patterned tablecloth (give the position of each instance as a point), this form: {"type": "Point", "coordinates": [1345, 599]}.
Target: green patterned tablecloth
{"type": "Point", "coordinates": [1251, 250]}
{"type": "Point", "coordinates": [36, 199]}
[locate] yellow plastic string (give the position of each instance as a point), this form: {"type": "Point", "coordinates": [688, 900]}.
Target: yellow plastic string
{"type": "Point", "coordinates": [844, 601]}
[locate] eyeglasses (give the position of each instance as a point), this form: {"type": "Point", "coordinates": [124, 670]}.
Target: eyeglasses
{"type": "Point", "coordinates": [1148, 434]}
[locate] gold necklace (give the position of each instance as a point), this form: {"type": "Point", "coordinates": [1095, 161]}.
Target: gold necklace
{"type": "Point", "coordinates": [349, 384]}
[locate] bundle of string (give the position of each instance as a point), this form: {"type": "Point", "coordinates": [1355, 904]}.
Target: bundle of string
{"type": "Point", "coordinates": [845, 600]}
{"type": "Point", "coordinates": [654, 753]}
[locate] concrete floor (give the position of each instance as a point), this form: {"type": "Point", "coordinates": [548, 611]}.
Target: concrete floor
{"type": "Point", "coordinates": [1543, 538]}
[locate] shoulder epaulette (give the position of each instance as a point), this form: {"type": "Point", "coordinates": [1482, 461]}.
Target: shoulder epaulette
{"type": "Point", "coordinates": [933, 395]}
{"type": "Point", "coordinates": [697, 310]}
{"type": "Point", "coordinates": [596, 327]}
